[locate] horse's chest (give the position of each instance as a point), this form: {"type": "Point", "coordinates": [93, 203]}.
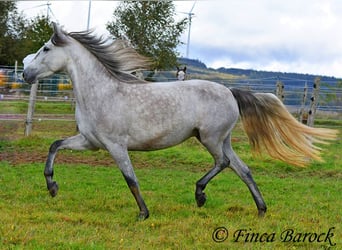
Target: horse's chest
{"type": "Point", "coordinates": [88, 126]}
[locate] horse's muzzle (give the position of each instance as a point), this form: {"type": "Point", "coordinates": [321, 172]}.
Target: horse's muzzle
{"type": "Point", "coordinates": [29, 78]}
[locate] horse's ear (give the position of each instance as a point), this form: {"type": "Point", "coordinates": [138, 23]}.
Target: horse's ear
{"type": "Point", "coordinates": [184, 69]}
{"type": "Point", "coordinates": [58, 37]}
{"type": "Point", "coordinates": [177, 68]}
{"type": "Point", "coordinates": [55, 27]}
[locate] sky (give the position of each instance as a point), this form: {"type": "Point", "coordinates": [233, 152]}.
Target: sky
{"type": "Point", "coordinates": [301, 36]}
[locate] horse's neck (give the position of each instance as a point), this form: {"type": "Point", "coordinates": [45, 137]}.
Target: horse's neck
{"type": "Point", "coordinates": [89, 78]}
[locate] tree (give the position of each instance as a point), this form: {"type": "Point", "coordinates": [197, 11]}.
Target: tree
{"type": "Point", "coordinates": [38, 31]}
{"type": "Point", "coordinates": [20, 36]}
{"type": "Point", "coordinates": [5, 9]}
{"type": "Point", "coordinates": [8, 33]}
{"type": "Point", "coordinates": [16, 49]}
{"type": "Point", "coordinates": [151, 29]}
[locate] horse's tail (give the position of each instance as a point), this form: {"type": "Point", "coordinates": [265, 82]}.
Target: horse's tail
{"type": "Point", "coordinates": [271, 128]}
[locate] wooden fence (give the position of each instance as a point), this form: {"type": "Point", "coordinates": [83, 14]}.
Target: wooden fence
{"type": "Point", "coordinates": [58, 88]}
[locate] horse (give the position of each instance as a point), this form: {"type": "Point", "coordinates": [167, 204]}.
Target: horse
{"type": "Point", "coordinates": [118, 112]}
{"type": "Point", "coordinates": [181, 73]}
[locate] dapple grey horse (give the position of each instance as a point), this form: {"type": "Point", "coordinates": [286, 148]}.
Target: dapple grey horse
{"type": "Point", "coordinates": [118, 112]}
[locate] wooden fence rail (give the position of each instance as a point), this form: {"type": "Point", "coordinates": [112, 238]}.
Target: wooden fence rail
{"type": "Point", "coordinates": [286, 93]}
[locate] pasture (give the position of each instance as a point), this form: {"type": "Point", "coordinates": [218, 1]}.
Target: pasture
{"type": "Point", "coordinates": [94, 208]}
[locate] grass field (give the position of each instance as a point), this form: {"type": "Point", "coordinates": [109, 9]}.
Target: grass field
{"type": "Point", "coordinates": [95, 210]}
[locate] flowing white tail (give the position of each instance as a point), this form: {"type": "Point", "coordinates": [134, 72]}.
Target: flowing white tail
{"type": "Point", "coordinates": [271, 128]}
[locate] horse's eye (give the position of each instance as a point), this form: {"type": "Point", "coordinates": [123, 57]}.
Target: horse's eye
{"type": "Point", "coordinates": [46, 49]}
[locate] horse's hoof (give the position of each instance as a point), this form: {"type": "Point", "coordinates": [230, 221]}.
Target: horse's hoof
{"type": "Point", "coordinates": [143, 216]}
{"type": "Point", "coordinates": [201, 199]}
{"type": "Point", "coordinates": [53, 188]}
{"type": "Point", "coordinates": [261, 213]}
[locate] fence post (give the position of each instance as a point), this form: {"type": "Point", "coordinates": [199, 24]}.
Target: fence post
{"type": "Point", "coordinates": [302, 108]}
{"type": "Point", "coordinates": [314, 102]}
{"type": "Point", "coordinates": [30, 110]}
{"type": "Point", "coordinates": [16, 71]}
{"type": "Point", "coordinates": [280, 90]}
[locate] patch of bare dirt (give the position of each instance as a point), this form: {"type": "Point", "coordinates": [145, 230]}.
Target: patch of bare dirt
{"type": "Point", "coordinates": [19, 158]}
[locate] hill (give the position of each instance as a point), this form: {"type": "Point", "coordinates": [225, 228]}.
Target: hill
{"type": "Point", "coordinates": [266, 81]}
{"type": "Point", "coordinates": [197, 68]}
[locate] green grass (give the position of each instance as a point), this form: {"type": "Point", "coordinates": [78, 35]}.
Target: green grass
{"type": "Point", "coordinates": [94, 209]}
{"type": "Point", "coordinates": [41, 107]}
{"type": "Point", "coordinates": [13, 107]}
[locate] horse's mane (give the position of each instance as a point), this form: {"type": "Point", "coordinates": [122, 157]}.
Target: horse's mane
{"type": "Point", "coordinates": [117, 56]}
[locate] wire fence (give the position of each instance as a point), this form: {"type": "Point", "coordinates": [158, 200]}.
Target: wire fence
{"type": "Point", "coordinates": [58, 89]}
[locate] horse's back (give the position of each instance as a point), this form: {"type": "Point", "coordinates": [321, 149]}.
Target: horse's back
{"type": "Point", "coordinates": [193, 99]}
{"type": "Point", "coordinates": [209, 96]}
{"type": "Point", "coordinates": [168, 113]}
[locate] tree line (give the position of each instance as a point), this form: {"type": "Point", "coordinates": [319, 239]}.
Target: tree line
{"type": "Point", "coordinates": [149, 26]}
{"type": "Point", "coordinates": [20, 36]}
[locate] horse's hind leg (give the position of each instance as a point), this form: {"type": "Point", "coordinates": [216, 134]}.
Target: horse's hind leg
{"type": "Point", "coordinates": [244, 173]}
{"type": "Point", "coordinates": [221, 162]}
{"type": "Point", "coordinates": [225, 156]}
{"type": "Point", "coordinates": [202, 183]}
{"type": "Point", "coordinates": [77, 142]}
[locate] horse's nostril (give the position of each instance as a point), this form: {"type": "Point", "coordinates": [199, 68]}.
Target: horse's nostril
{"type": "Point", "coordinates": [27, 77]}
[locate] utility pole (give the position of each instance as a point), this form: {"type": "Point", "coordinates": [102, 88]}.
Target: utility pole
{"type": "Point", "coordinates": [89, 11]}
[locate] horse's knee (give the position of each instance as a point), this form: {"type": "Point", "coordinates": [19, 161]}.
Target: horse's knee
{"type": "Point", "coordinates": [55, 146]}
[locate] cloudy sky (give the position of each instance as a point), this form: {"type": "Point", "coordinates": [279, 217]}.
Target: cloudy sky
{"type": "Point", "coordinates": [300, 36]}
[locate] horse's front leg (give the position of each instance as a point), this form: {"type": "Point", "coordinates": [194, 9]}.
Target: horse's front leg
{"type": "Point", "coordinates": [121, 157]}
{"type": "Point", "coordinates": [78, 142]}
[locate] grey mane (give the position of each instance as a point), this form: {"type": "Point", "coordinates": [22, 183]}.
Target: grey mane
{"type": "Point", "coordinates": [116, 56]}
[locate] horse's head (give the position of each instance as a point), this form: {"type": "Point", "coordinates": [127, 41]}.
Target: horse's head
{"type": "Point", "coordinates": [48, 59]}
{"type": "Point", "coordinates": [181, 74]}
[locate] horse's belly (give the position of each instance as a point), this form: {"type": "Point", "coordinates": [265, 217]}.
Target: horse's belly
{"type": "Point", "coordinates": [159, 140]}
